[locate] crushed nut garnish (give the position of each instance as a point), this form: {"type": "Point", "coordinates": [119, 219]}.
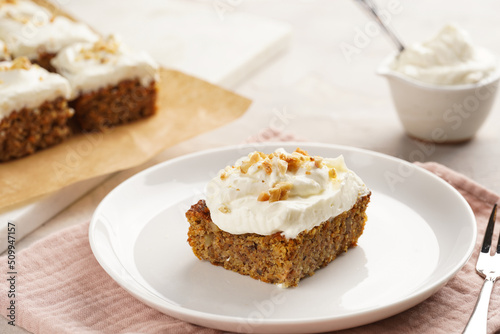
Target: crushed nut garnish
{"type": "Point", "coordinates": [263, 196]}
{"type": "Point", "coordinates": [282, 167]}
{"type": "Point", "coordinates": [21, 63]}
{"type": "Point", "coordinates": [268, 167]}
{"type": "Point", "coordinates": [245, 165]}
{"type": "Point", "coordinates": [318, 162]}
{"type": "Point", "coordinates": [102, 50]}
{"type": "Point", "coordinates": [280, 191]}
{"type": "Point", "coordinates": [262, 155]}
{"type": "Point", "coordinates": [301, 151]}
{"type": "Point", "coordinates": [286, 163]}
{"type": "Point", "coordinates": [224, 209]}
{"type": "Point", "coordinates": [332, 173]}
{"type": "Point", "coordinates": [293, 164]}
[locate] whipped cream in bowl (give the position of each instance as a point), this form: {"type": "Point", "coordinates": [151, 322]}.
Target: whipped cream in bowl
{"type": "Point", "coordinates": [443, 88]}
{"type": "Point", "coordinates": [281, 192]}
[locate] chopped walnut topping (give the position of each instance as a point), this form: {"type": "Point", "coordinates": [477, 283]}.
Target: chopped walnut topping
{"type": "Point", "coordinates": [21, 63]}
{"type": "Point", "coordinates": [286, 163]}
{"type": "Point", "coordinates": [280, 191]}
{"type": "Point", "coordinates": [294, 164]}
{"type": "Point", "coordinates": [264, 196]}
{"type": "Point", "coordinates": [268, 167]}
{"type": "Point", "coordinates": [282, 167]}
{"type": "Point", "coordinates": [245, 165]}
{"type": "Point", "coordinates": [301, 151]}
{"type": "Point", "coordinates": [262, 155]}
{"type": "Point", "coordinates": [223, 176]}
{"type": "Point", "coordinates": [101, 51]}
{"type": "Point", "coordinates": [332, 173]}
{"type": "Point", "coordinates": [318, 162]}
{"type": "Point", "coordinates": [224, 209]}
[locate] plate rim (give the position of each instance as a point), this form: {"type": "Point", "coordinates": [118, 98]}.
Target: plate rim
{"type": "Point", "coordinates": [208, 319]}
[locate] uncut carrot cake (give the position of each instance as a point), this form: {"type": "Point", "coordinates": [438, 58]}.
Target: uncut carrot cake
{"type": "Point", "coordinates": [32, 31]}
{"type": "Point", "coordinates": [111, 84]}
{"type": "Point", "coordinates": [33, 108]}
{"type": "Point", "coordinates": [279, 217]}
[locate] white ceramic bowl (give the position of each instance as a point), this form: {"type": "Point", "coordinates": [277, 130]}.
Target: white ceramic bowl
{"type": "Point", "coordinates": [440, 114]}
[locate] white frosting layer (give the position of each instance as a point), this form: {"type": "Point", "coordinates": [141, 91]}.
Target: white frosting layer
{"type": "Point", "coordinates": [447, 59]}
{"type": "Point", "coordinates": [89, 67]}
{"type": "Point", "coordinates": [28, 28]}
{"type": "Point", "coordinates": [315, 196]}
{"type": "Point", "coordinates": [21, 88]}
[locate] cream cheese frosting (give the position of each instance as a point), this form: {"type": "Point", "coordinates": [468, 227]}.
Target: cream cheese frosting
{"type": "Point", "coordinates": [28, 29]}
{"type": "Point", "coordinates": [23, 85]}
{"type": "Point", "coordinates": [90, 66]}
{"type": "Point", "coordinates": [449, 58]}
{"type": "Point", "coordinates": [281, 192]}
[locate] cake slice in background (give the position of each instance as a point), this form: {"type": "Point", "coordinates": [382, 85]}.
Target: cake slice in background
{"type": "Point", "coordinates": [34, 111]}
{"type": "Point", "coordinates": [34, 32]}
{"type": "Point", "coordinates": [279, 217]}
{"type": "Point", "coordinates": [111, 84]}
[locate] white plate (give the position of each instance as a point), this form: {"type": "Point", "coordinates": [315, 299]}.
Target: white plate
{"type": "Point", "coordinates": [420, 232]}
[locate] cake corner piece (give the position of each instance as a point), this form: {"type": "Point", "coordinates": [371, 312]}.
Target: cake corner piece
{"type": "Point", "coordinates": [276, 253]}
{"type": "Point", "coordinates": [112, 85]}
{"type": "Point", "coordinates": [34, 111]}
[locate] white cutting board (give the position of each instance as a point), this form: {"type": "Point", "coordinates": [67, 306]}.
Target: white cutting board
{"type": "Point", "coordinates": [212, 40]}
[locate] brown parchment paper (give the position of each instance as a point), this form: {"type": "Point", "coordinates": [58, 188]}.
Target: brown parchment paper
{"type": "Point", "coordinates": [187, 106]}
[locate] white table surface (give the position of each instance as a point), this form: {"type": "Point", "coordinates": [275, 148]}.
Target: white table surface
{"type": "Point", "coordinates": [312, 91]}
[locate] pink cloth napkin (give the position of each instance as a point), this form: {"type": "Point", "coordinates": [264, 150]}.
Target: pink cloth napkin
{"type": "Point", "coordinates": [60, 288]}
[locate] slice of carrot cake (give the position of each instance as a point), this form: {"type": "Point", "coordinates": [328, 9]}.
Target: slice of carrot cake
{"type": "Point", "coordinates": [33, 108]}
{"type": "Point", "coordinates": [279, 217]}
{"type": "Point", "coordinates": [32, 31]}
{"type": "Point", "coordinates": [111, 84]}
